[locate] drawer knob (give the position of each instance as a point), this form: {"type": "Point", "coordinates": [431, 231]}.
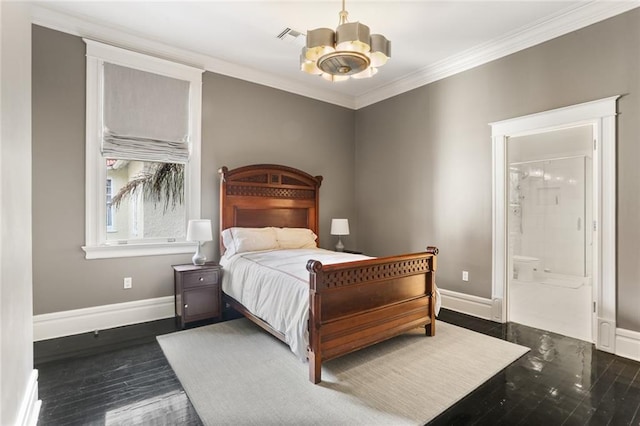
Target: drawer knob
{"type": "Point", "coordinates": [186, 306]}
{"type": "Point", "coordinates": [201, 279]}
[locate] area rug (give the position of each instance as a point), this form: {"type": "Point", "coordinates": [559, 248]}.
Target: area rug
{"type": "Point", "coordinates": [235, 373]}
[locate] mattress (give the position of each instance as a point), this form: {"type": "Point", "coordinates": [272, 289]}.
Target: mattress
{"type": "Point", "coordinates": [274, 286]}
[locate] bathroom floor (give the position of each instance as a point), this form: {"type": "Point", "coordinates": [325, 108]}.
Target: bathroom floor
{"type": "Point", "coordinates": [559, 305]}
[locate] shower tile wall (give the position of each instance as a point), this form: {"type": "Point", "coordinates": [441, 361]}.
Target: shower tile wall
{"type": "Point", "coordinates": [547, 198]}
{"type": "Point", "coordinates": [548, 222]}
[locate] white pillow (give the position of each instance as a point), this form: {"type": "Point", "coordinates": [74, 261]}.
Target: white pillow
{"type": "Point", "coordinates": [227, 242]}
{"type": "Point", "coordinates": [240, 240]}
{"type": "Point", "coordinates": [294, 238]}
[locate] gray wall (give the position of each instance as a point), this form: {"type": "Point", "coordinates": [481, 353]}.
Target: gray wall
{"type": "Point", "coordinates": [423, 158]}
{"type": "Point", "coordinates": [243, 123]}
{"type": "Point", "coordinates": [16, 325]}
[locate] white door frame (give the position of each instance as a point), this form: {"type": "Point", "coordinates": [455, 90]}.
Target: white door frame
{"type": "Point", "coordinates": [601, 114]}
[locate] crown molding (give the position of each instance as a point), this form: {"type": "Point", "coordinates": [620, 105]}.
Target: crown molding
{"type": "Point", "coordinates": [562, 23]}
{"type": "Point", "coordinates": [93, 31]}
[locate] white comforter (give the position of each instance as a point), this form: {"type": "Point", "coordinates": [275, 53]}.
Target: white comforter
{"type": "Point", "coordinates": [274, 285]}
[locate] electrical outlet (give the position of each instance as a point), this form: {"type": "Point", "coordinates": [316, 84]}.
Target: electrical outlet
{"type": "Point", "coordinates": [465, 275]}
{"type": "Point", "coordinates": [127, 282]}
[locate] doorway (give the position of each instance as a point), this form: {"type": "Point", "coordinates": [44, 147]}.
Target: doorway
{"type": "Point", "coordinates": [601, 115]}
{"type": "Point", "coordinates": [550, 239]}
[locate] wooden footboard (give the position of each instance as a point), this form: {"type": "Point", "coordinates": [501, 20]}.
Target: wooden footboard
{"type": "Point", "coordinates": [357, 304]}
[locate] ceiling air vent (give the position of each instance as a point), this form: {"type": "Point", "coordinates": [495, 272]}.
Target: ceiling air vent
{"type": "Point", "coordinates": [293, 36]}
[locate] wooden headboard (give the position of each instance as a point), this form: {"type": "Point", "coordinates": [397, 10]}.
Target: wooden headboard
{"type": "Point", "coordinates": [268, 195]}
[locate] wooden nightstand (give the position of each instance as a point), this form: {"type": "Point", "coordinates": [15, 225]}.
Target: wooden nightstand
{"type": "Point", "coordinates": [197, 292]}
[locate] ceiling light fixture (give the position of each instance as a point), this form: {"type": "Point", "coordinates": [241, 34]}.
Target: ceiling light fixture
{"type": "Point", "coordinates": [348, 52]}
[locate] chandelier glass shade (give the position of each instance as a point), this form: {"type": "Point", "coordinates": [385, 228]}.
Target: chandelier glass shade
{"type": "Point", "coordinates": [348, 52]}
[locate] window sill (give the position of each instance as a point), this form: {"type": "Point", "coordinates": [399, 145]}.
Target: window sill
{"type": "Point", "coordinates": [134, 250]}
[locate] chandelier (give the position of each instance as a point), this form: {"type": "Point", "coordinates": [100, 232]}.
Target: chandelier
{"type": "Point", "coordinates": [350, 51]}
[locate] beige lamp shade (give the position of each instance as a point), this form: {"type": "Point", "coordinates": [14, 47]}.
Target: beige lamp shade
{"type": "Point", "coordinates": [307, 65]}
{"type": "Point", "coordinates": [380, 50]}
{"type": "Point", "coordinates": [353, 36]}
{"type": "Point", "coordinates": [320, 41]}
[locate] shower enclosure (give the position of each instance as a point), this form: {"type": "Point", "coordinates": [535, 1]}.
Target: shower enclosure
{"type": "Point", "coordinates": [548, 215]}
{"type": "Point", "coordinates": [550, 232]}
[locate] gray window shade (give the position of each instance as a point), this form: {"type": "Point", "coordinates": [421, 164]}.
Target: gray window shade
{"type": "Point", "coordinates": [146, 116]}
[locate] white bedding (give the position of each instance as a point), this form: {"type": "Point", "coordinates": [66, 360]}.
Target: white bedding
{"type": "Point", "coordinates": [274, 285]}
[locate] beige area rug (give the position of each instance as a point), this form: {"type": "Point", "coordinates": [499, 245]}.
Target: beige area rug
{"type": "Point", "coordinates": [234, 373]}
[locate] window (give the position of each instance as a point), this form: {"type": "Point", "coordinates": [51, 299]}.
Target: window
{"type": "Point", "coordinates": [143, 141]}
{"type": "Point", "coordinates": [110, 209]}
{"type": "Point", "coordinates": [142, 217]}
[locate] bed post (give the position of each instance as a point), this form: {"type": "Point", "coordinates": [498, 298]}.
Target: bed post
{"type": "Point", "coordinates": [314, 352]}
{"type": "Point", "coordinates": [223, 202]}
{"type": "Point", "coordinates": [430, 329]}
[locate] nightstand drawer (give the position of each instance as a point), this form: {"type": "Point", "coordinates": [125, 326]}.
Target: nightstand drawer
{"type": "Point", "coordinates": [199, 278]}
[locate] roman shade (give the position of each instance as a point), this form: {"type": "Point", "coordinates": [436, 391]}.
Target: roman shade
{"type": "Point", "coordinates": [145, 116]}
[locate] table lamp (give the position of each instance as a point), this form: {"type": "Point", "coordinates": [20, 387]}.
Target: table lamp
{"type": "Point", "coordinates": [339, 227]}
{"type": "Point", "coordinates": [199, 230]}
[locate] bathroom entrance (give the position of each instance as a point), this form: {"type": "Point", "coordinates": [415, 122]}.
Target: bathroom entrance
{"type": "Point", "coordinates": [598, 119]}
{"type": "Point", "coordinates": [550, 230]}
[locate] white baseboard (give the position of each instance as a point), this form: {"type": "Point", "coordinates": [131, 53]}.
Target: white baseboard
{"type": "Point", "coordinates": [628, 344]}
{"type": "Point", "coordinates": [30, 406]}
{"type": "Point", "coordinates": [67, 323]}
{"type": "Point", "coordinates": [467, 304]}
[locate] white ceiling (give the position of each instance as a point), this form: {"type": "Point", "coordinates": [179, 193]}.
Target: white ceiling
{"type": "Point", "coordinates": [430, 39]}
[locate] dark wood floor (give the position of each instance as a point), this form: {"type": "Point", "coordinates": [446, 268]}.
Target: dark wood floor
{"type": "Point", "coordinates": [121, 377]}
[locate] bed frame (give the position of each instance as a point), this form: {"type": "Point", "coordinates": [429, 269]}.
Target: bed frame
{"type": "Point", "coordinates": [351, 305]}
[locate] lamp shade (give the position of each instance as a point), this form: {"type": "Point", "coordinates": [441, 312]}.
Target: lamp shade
{"type": "Point", "coordinates": [339, 226]}
{"type": "Point", "coordinates": [319, 42]}
{"type": "Point", "coordinates": [353, 36]}
{"type": "Point", "coordinates": [380, 50]}
{"type": "Point", "coordinates": [199, 230]}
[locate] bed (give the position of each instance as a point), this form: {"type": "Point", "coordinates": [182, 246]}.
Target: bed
{"type": "Point", "coordinates": [352, 304]}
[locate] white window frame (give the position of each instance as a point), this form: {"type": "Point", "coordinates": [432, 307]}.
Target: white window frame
{"type": "Point", "coordinates": [96, 245]}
